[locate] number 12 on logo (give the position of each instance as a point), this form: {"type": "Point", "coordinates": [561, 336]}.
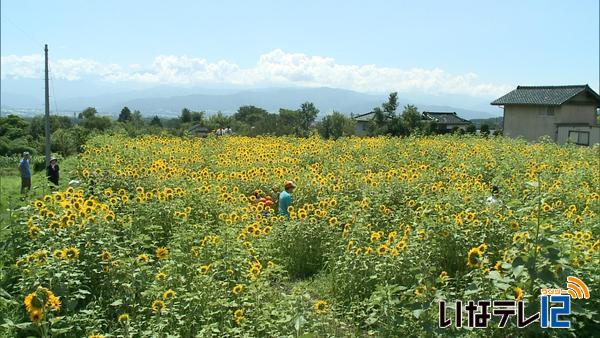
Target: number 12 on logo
{"type": "Point", "coordinates": [549, 316]}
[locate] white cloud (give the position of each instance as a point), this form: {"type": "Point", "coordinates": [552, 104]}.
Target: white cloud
{"type": "Point", "coordinates": [273, 68]}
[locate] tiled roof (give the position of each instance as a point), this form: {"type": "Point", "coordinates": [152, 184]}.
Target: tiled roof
{"type": "Point", "coordinates": [364, 117]}
{"type": "Point", "coordinates": [544, 95]}
{"type": "Point", "coordinates": [445, 117]}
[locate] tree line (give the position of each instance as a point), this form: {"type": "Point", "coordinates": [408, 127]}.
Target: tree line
{"type": "Point", "coordinates": [19, 134]}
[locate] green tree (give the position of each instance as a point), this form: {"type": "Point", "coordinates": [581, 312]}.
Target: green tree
{"type": "Point", "coordinates": [430, 128]}
{"type": "Point", "coordinates": [385, 120]}
{"type": "Point", "coordinates": [137, 118]}
{"type": "Point", "coordinates": [306, 116]}
{"type": "Point", "coordinates": [125, 115]}
{"type": "Point", "coordinates": [186, 115]}
{"type": "Point", "coordinates": [89, 120]}
{"type": "Point", "coordinates": [197, 117]}
{"type": "Point", "coordinates": [411, 117]}
{"type": "Point", "coordinates": [250, 115]}
{"type": "Point", "coordinates": [218, 120]}
{"type": "Point", "coordinates": [155, 122]}
{"type": "Point", "coordinates": [397, 127]}
{"type": "Point", "coordinates": [336, 125]}
{"type": "Point", "coordinates": [471, 129]}
{"type": "Point", "coordinates": [391, 105]}
{"type": "Point", "coordinates": [485, 129]}
{"type": "Point", "coordinates": [88, 113]}
{"type": "Point", "coordinates": [37, 125]}
{"type": "Point", "coordinates": [289, 122]}
{"type": "Point", "coordinates": [68, 141]}
{"type": "Point", "coordinates": [13, 127]}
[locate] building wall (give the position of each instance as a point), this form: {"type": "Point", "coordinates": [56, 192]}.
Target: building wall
{"type": "Point", "coordinates": [362, 128]}
{"type": "Point", "coordinates": [571, 113]}
{"type": "Point", "coordinates": [532, 122]}
{"type": "Point", "coordinates": [529, 122]}
{"type": "Point", "coordinates": [593, 133]}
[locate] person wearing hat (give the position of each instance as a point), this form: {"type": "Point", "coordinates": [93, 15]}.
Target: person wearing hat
{"type": "Point", "coordinates": [285, 198]}
{"type": "Point", "coordinates": [25, 172]}
{"type": "Point", "coordinates": [52, 171]}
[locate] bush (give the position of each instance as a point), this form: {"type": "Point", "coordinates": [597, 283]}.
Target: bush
{"type": "Point", "coordinates": [485, 129]}
{"type": "Point", "coordinates": [302, 248]}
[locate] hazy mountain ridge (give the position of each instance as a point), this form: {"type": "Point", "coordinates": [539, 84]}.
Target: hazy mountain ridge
{"type": "Point", "coordinates": [168, 101]}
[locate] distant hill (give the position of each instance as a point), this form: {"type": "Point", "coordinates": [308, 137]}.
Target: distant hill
{"type": "Point", "coordinates": [168, 101]}
{"type": "Point", "coordinates": [326, 99]}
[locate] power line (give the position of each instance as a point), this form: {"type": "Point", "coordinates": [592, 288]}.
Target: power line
{"type": "Point", "coordinates": [28, 35]}
{"type": "Point", "coordinates": [53, 90]}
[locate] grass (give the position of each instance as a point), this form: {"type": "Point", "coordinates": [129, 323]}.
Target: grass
{"type": "Point", "coordinates": [10, 191]}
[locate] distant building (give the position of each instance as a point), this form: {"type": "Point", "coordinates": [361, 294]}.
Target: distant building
{"type": "Point", "coordinates": [564, 113]}
{"type": "Point", "coordinates": [362, 123]}
{"type": "Point", "coordinates": [446, 121]}
{"type": "Point", "coordinates": [198, 130]}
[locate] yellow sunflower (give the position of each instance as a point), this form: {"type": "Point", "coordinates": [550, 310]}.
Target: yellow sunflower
{"type": "Point", "coordinates": [518, 293]}
{"type": "Point", "coordinates": [158, 306]}
{"type": "Point", "coordinates": [124, 317]}
{"type": "Point", "coordinates": [237, 289]}
{"type": "Point", "coordinates": [382, 250]}
{"type": "Point", "coordinates": [320, 306]}
{"type": "Point", "coordinates": [162, 252]}
{"type": "Point", "coordinates": [169, 294]}
{"type": "Point", "coordinates": [473, 257]}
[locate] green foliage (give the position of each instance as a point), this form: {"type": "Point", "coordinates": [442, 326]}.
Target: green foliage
{"type": "Point", "coordinates": [69, 141]}
{"type": "Point", "coordinates": [306, 116]}
{"type": "Point", "coordinates": [336, 125]}
{"type": "Point", "coordinates": [197, 116]}
{"type": "Point", "coordinates": [155, 122]}
{"type": "Point", "coordinates": [391, 105]}
{"type": "Point", "coordinates": [90, 121]}
{"type": "Point", "coordinates": [380, 239]}
{"type": "Point", "coordinates": [485, 129]}
{"type": "Point", "coordinates": [289, 120]}
{"type": "Point", "coordinates": [218, 120]}
{"type": "Point", "coordinates": [186, 115]}
{"type": "Point", "coordinates": [303, 247]}
{"type": "Point", "coordinates": [13, 127]}
{"type": "Point", "coordinates": [411, 117]}
{"type": "Point", "coordinates": [250, 115]}
{"type": "Point", "coordinates": [125, 115]}
{"type": "Point", "coordinates": [37, 125]}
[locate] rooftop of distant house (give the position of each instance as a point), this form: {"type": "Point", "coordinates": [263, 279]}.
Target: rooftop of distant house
{"type": "Point", "coordinates": [545, 95]}
{"type": "Point", "coordinates": [364, 117]}
{"type": "Point", "coordinates": [444, 117]}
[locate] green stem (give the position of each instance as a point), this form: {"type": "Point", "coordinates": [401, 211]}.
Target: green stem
{"type": "Point", "coordinates": [537, 232]}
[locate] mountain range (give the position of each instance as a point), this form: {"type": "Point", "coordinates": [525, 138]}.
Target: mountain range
{"type": "Point", "coordinates": [168, 101]}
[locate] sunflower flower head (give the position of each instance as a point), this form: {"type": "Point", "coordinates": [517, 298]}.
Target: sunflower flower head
{"type": "Point", "coordinates": [321, 306]}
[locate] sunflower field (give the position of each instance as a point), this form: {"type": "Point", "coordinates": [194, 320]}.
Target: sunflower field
{"type": "Point", "coordinates": [179, 237]}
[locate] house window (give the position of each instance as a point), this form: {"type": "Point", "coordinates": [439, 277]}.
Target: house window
{"type": "Point", "coordinates": [580, 137]}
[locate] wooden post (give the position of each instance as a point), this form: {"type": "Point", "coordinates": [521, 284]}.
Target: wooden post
{"type": "Point", "coordinates": [47, 115]}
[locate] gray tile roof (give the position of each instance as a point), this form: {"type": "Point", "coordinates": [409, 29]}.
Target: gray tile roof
{"type": "Point", "coordinates": [544, 95]}
{"type": "Point", "coordinates": [445, 117]}
{"type": "Point", "coordinates": [364, 117]}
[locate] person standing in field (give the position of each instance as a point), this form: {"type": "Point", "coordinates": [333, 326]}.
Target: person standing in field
{"type": "Point", "coordinates": [494, 198]}
{"type": "Point", "coordinates": [25, 172]}
{"type": "Point", "coordinates": [285, 198]}
{"type": "Point", "coordinates": [52, 172]}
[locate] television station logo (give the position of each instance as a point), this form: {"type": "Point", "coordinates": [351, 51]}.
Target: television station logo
{"type": "Point", "coordinates": [555, 307]}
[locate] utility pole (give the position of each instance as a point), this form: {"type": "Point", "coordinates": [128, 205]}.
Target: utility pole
{"type": "Point", "coordinates": [47, 110]}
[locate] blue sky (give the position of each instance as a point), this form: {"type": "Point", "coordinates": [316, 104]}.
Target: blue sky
{"type": "Point", "coordinates": [477, 48]}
